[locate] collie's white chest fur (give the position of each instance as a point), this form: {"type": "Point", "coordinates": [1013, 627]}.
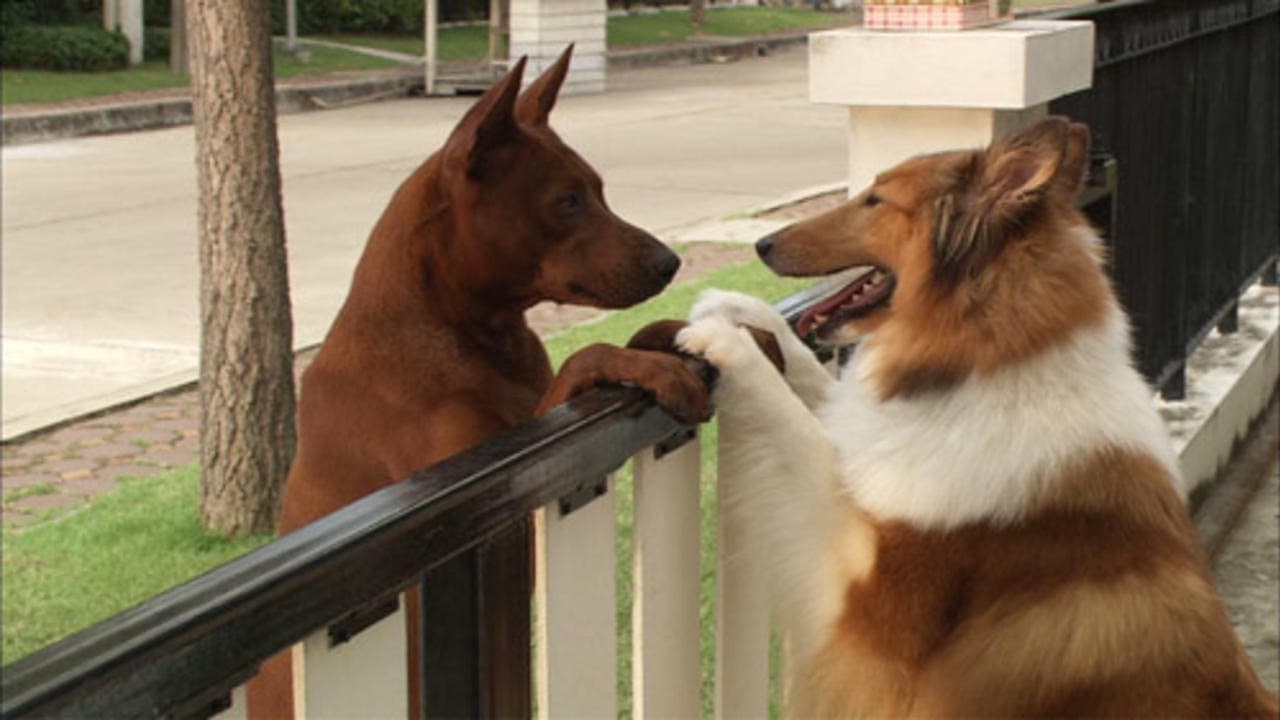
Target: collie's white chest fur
{"type": "Point", "coordinates": [983, 449]}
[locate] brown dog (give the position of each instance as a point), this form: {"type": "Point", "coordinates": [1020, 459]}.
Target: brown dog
{"type": "Point", "coordinates": [431, 354]}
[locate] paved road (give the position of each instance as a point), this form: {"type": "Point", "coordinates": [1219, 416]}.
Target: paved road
{"type": "Point", "coordinates": [100, 281]}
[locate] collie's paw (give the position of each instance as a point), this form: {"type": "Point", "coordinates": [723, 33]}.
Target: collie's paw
{"type": "Point", "coordinates": [739, 309]}
{"type": "Point", "coordinates": [718, 341]}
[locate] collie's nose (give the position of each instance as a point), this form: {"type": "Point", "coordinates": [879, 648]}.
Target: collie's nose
{"type": "Point", "coordinates": [667, 265]}
{"type": "Point", "coordinates": [764, 246]}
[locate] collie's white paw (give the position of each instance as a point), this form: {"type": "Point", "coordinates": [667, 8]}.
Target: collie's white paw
{"type": "Point", "coordinates": [718, 341]}
{"type": "Point", "coordinates": [739, 309]}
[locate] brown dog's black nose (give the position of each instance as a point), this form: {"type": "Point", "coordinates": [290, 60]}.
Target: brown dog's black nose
{"type": "Point", "coordinates": [667, 265]}
{"type": "Point", "coordinates": [764, 246]}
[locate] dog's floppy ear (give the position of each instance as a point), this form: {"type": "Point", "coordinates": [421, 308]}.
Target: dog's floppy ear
{"type": "Point", "coordinates": [535, 103]}
{"type": "Point", "coordinates": [996, 193]}
{"type": "Point", "coordinates": [488, 125]}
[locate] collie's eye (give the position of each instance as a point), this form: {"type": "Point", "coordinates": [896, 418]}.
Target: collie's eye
{"type": "Point", "coordinates": [873, 200]}
{"type": "Point", "coordinates": [570, 202]}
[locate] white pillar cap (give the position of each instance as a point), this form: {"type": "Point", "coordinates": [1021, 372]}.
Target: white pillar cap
{"type": "Point", "coordinates": [1015, 65]}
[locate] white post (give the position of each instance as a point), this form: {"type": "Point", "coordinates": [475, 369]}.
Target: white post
{"type": "Point", "coordinates": [429, 39]}
{"type": "Point", "coordinates": [365, 677]}
{"type": "Point", "coordinates": [541, 29]}
{"type": "Point", "coordinates": [665, 648]}
{"type": "Point", "coordinates": [130, 19]}
{"type": "Point", "coordinates": [110, 14]}
{"type": "Point", "coordinates": [912, 92]}
{"type": "Point", "coordinates": [291, 25]}
{"type": "Point", "coordinates": [742, 600]}
{"type": "Point", "coordinates": [576, 631]}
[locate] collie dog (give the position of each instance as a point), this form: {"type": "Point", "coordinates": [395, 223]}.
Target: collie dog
{"type": "Point", "coordinates": [983, 517]}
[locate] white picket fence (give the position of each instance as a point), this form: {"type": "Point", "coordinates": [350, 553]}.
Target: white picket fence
{"type": "Point", "coordinates": [575, 638]}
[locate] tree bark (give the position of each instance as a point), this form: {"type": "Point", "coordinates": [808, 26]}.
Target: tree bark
{"type": "Point", "coordinates": [247, 431]}
{"type": "Point", "coordinates": [697, 13]}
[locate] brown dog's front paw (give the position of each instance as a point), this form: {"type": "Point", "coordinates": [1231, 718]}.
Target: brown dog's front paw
{"type": "Point", "coordinates": [660, 336]}
{"type": "Point", "coordinates": [675, 382]}
{"type": "Point", "coordinates": [680, 385]}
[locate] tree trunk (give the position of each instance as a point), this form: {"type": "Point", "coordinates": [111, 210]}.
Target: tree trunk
{"type": "Point", "coordinates": [179, 60]}
{"type": "Point", "coordinates": [697, 13]}
{"type": "Point", "coordinates": [246, 360]}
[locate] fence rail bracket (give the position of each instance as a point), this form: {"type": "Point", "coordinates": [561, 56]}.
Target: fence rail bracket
{"type": "Point", "coordinates": [582, 495]}
{"type": "Point", "coordinates": [674, 441]}
{"type": "Point", "coordinates": [355, 622]}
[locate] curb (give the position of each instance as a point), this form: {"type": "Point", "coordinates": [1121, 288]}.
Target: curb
{"type": "Point", "coordinates": [152, 114]}
{"type": "Point", "coordinates": [1230, 379]}
{"type": "Point", "coordinates": [24, 128]}
{"type": "Point", "coordinates": [706, 51]}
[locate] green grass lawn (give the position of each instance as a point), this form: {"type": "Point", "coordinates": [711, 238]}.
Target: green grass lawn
{"type": "Point", "coordinates": [674, 25]}
{"type": "Point", "coordinates": [129, 544]}
{"type": "Point", "coordinates": [68, 572]}
{"type": "Point", "coordinates": [42, 86]}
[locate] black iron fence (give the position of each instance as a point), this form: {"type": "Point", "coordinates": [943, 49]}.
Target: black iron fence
{"type": "Point", "coordinates": [1186, 96]}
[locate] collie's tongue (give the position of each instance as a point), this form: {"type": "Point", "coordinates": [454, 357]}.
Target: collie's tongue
{"type": "Point", "coordinates": [818, 314]}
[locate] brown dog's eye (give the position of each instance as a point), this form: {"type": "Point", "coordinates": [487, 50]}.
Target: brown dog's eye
{"type": "Point", "coordinates": [873, 200]}
{"type": "Point", "coordinates": [570, 202]}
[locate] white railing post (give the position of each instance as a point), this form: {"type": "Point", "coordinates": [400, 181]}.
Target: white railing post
{"type": "Point", "coordinates": [365, 677]}
{"type": "Point", "coordinates": [742, 603]}
{"type": "Point", "coordinates": [667, 572]}
{"type": "Point", "coordinates": [576, 633]}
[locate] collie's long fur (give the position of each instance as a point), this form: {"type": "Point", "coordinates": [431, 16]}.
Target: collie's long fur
{"type": "Point", "coordinates": [983, 516]}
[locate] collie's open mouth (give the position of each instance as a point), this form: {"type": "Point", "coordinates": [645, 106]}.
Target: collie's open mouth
{"type": "Point", "coordinates": [867, 292]}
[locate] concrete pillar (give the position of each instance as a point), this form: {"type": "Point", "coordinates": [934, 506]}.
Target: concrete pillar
{"type": "Point", "coordinates": [916, 92]}
{"type": "Point", "coordinates": [110, 14]}
{"type": "Point", "coordinates": [430, 29]}
{"type": "Point", "coordinates": [129, 16]}
{"type": "Point", "coordinates": [542, 28]}
{"type": "Point", "coordinates": [291, 25]}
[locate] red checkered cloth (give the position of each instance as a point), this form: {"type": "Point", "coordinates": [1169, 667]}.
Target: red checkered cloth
{"type": "Point", "coordinates": [926, 17]}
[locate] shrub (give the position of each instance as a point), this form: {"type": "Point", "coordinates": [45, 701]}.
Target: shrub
{"type": "Point", "coordinates": [47, 12]}
{"type": "Point", "coordinates": [155, 43]}
{"type": "Point", "coordinates": [57, 47]}
{"type": "Point", "coordinates": [359, 16]}
{"type": "Point", "coordinates": [155, 13]}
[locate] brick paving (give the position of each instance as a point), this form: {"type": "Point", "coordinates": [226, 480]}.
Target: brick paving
{"type": "Point", "coordinates": [64, 467]}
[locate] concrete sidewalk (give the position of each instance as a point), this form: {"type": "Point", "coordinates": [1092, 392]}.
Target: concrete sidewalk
{"type": "Point", "coordinates": [100, 275]}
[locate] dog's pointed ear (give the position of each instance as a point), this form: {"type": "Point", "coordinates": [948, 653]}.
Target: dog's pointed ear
{"type": "Point", "coordinates": [536, 102]}
{"type": "Point", "coordinates": [489, 125]}
{"type": "Point", "coordinates": [1020, 171]}
{"type": "Point", "coordinates": [998, 191]}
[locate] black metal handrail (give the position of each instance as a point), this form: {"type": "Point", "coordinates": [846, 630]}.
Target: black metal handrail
{"type": "Point", "coordinates": [180, 651]}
